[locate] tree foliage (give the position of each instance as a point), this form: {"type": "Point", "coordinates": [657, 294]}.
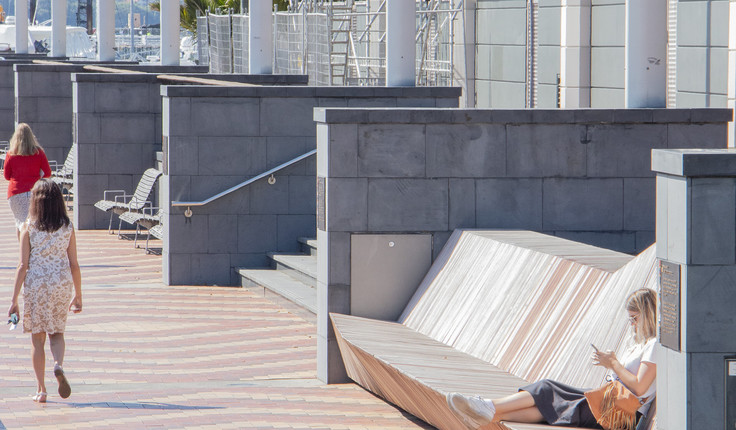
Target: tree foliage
{"type": "Point", "coordinates": [188, 14]}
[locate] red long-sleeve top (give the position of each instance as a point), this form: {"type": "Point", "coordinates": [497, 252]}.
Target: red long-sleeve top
{"type": "Point", "coordinates": [24, 170]}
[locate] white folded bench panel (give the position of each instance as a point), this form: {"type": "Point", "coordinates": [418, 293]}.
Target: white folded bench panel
{"type": "Point", "coordinates": [529, 303]}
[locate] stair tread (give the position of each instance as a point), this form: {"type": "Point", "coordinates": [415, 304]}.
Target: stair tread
{"type": "Point", "coordinates": [309, 241]}
{"type": "Point", "coordinates": [306, 264]}
{"type": "Point", "coordinates": [284, 285]}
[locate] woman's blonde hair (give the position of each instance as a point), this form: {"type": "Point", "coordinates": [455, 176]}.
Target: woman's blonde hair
{"type": "Point", "coordinates": [23, 141]}
{"type": "Point", "coordinates": [644, 302]}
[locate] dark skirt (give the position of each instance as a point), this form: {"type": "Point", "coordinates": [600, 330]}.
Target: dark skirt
{"type": "Point", "coordinates": [561, 405]}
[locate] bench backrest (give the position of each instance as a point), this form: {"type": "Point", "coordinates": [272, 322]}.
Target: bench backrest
{"type": "Point", "coordinates": [68, 167]}
{"type": "Point", "coordinates": [529, 303]}
{"type": "Point", "coordinates": [144, 188]}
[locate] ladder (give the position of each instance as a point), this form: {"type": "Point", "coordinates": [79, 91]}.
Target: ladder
{"type": "Point", "coordinates": [341, 26]}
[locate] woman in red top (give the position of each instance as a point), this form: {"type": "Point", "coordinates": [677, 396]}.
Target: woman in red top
{"type": "Point", "coordinates": [25, 163]}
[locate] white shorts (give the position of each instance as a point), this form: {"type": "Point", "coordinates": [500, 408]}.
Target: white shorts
{"type": "Point", "coordinates": [19, 204]}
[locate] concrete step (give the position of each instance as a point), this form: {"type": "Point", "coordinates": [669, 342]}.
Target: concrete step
{"type": "Point", "coordinates": [308, 245]}
{"type": "Point", "coordinates": [278, 282]}
{"type": "Point", "coordinates": [299, 266]}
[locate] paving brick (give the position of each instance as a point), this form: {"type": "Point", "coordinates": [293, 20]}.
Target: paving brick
{"type": "Point", "coordinates": [146, 356]}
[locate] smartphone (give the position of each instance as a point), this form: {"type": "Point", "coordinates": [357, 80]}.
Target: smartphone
{"type": "Point", "coordinates": [13, 321]}
{"type": "Point", "coordinates": [595, 347]}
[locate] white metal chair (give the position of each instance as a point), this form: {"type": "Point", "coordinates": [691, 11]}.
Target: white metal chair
{"type": "Point", "coordinates": [118, 202]}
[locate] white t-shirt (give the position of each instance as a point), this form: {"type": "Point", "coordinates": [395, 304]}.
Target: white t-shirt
{"type": "Point", "coordinates": [631, 360]}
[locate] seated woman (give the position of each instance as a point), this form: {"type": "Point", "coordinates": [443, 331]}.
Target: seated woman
{"type": "Point", "coordinates": [559, 404]}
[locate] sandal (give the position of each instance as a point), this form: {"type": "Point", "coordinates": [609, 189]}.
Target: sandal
{"type": "Point", "coordinates": [39, 397]}
{"type": "Point", "coordinates": [64, 389]}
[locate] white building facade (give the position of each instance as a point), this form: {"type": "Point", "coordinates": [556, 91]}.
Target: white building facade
{"type": "Point", "coordinates": [572, 53]}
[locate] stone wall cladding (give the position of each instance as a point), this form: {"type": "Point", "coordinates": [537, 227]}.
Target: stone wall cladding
{"type": "Point", "coordinates": [119, 128]}
{"type": "Point", "coordinates": [583, 175]}
{"type": "Point", "coordinates": [218, 137]}
{"type": "Point", "coordinates": [7, 97]}
{"type": "Point", "coordinates": [44, 98]}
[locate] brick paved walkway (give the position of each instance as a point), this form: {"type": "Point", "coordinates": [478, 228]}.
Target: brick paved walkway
{"type": "Point", "coordinates": [143, 355]}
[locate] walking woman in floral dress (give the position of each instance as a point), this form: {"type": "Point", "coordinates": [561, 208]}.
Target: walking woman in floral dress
{"type": "Point", "coordinates": [52, 282]}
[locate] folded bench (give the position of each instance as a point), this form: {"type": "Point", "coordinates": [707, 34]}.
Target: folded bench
{"type": "Point", "coordinates": [497, 310]}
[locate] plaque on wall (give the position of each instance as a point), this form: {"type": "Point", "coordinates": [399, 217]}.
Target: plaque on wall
{"type": "Point", "coordinates": [669, 305]}
{"type": "Point", "coordinates": [321, 221]}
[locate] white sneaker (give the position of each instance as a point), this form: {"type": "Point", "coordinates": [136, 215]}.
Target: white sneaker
{"type": "Point", "coordinates": [474, 411]}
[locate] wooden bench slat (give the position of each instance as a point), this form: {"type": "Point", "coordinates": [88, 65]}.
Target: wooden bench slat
{"type": "Point", "coordinates": [397, 374]}
{"type": "Point", "coordinates": [543, 309]}
{"type": "Point", "coordinates": [497, 309]}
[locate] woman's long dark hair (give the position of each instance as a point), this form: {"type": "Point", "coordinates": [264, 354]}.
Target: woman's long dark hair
{"type": "Point", "coordinates": [48, 210]}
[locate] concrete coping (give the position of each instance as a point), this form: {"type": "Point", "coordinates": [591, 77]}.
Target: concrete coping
{"type": "Point", "coordinates": [519, 116]}
{"type": "Point", "coordinates": [310, 91]}
{"type": "Point", "coordinates": [30, 57]}
{"type": "Point", "coordinates": [152, 77]}
{"type": "Point", "coordinates": [10, 62]}
{"type": "Point", "coordinates": [66, 67]}
{"type": "Point", "coordinates": [695, 162]}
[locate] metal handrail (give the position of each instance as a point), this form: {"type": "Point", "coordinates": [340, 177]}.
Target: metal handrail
{"type": "Point", "coordinates": [242, 184]}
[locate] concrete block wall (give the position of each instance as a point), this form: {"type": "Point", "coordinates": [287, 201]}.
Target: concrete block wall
{"type": "Point", "coordinates": [7, 90]}
{"type": "Point", "coordinates": [702, 53]}
{"type": "Point", "coordinates": [44, 99]}
{"type": "Point", "coordinates": [216, 138]}
{"type": "Point", "coordinates": [7, 98]}
{"type": "Point", "coordinates": [607, 53]}
{"type": "Point", "coordinates": [579, 174]}
{"type": "Point", "coordinates": [119, 128]}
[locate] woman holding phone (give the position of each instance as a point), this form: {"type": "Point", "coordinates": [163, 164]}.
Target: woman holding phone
{"type": "Point", "coordinates": [554, 403]}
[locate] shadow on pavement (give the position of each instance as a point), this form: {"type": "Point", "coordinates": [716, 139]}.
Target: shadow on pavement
{"type": "Point", "coordinates": [138, 405]}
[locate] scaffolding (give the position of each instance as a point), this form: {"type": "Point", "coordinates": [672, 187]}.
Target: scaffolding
{"type": "Point", "coordinates": [336, 43]}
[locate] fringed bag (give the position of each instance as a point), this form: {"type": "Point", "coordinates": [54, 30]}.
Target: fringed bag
{"type": "Point", "coordinates": [614, 406]}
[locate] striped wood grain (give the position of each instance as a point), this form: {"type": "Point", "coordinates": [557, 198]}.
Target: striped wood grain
{"type": "Point", "coordinates": [497, 309]}
{"type": "Point", "coordinates": [529, 303]}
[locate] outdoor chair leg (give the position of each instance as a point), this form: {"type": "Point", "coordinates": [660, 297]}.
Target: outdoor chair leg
{"type": "Point", "coordinates": [147, 238]}
{"type": "Point", "coordinates": [120, 227]}
{"type": "Point", "coordinates": [135, 241]}
{"type": "Point", "coordinates": [66, 200]}
{"type": "Point", "coordinates": [109, 226]}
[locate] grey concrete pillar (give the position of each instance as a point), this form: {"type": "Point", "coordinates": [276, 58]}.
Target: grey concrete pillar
{"type": "Point", "coordinates": [169, 32]}
{"type": "Point", "coordinates": [58, 28]}
{"type": "Point", "coordinates": [260, 37]}
{"type": "Point", "coordinates": [21, 26]}
{"type": "Point", "coordinates": [400, 45]}
{"type": "Point", "coordinates": [696, 242]}
{"type": "Point", "coordinates": [105, 30]}
{"type": "Point", "coordinates": [646, 54]}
